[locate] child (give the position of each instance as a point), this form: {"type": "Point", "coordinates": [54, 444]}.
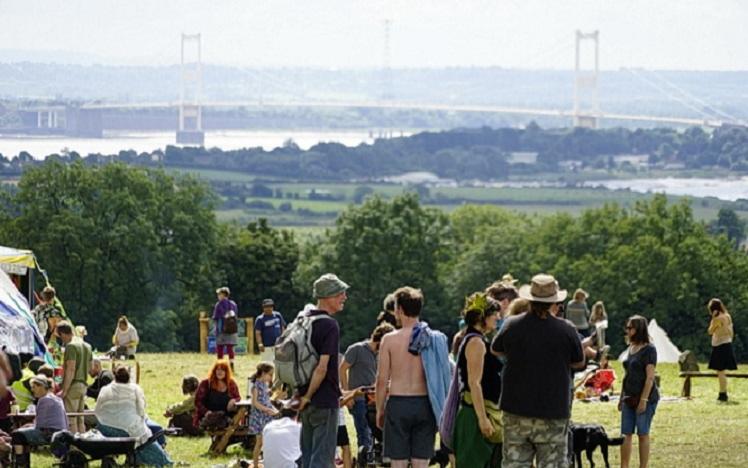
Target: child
{"type": "Point", "coordinates": [181, 414]}
{"type": "Point", "coordinates": [343, 441]}
{"type": "Point", "coordinates": [262, 411]}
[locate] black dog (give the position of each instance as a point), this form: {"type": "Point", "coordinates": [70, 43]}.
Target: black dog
{"type": "Point", "coordinates": [441, 457]}
{"type": "Point", "coordinates": [587, 437]}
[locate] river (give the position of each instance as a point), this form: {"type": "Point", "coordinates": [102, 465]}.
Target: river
{"type": "Point", "coordinates": [112, 143]}
{"type": "Point", "coordinates": [723, 188]}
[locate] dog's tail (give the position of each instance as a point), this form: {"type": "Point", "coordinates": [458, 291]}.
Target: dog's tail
{"type": "Point", "coordinates": [612, 441]}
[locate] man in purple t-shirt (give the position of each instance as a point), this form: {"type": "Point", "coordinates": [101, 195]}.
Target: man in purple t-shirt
{"type": "Point", "coordinates": [320, 398]}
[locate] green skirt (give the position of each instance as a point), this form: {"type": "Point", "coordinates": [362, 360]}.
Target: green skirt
{"type": "Point", "coordinates": [471, 449]}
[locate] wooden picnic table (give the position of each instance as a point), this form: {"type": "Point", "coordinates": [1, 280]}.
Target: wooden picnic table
{"type": "Point", "coordinates": [21, 419]}
{"type": "Point", "coordinates": [237, 427]}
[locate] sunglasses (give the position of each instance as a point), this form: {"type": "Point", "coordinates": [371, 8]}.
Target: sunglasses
{"type": "Point", "coordinates": [628, 327]}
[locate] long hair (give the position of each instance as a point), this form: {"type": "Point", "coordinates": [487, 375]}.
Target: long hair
{"type": "Point", "coordinates": [716, 304]}
{"type": "Point", "coordinates": [263, 367]}
{"type": "Point", "coordinates": [219, 364]}
{"type": "Point", "coordinates": [598, 311]}
{"type": "Point", "coordinates": [641, 333]}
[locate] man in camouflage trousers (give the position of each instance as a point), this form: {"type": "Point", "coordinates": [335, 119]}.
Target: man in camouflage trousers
{"type": "Point", "coordinates": [540, 350]}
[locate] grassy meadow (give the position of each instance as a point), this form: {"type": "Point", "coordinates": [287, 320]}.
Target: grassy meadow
{"type": "Point", "coordinates": [695, 433]}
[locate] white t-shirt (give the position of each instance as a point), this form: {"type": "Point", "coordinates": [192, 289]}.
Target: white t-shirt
{"type": "Point", "coordinates": [281, 443]}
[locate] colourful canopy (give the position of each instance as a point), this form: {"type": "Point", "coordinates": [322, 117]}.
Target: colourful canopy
{"type": "Point", "coordinates": [16, 261]}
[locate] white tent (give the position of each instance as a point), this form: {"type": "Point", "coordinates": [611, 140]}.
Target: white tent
{"type": "Point", "coordinates": [18, 330]}
{"type": "Point", "coordinates": [666, 350]}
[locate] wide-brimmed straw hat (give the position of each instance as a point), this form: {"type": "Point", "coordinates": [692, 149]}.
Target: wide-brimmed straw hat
{"type": "Point", "coordinates": [508, 279]}
{"type": "Point", "coordinates": [543, 288]}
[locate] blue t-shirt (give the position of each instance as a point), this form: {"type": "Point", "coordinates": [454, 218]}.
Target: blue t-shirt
{"type": "Point", "coordinates": [270, 327]}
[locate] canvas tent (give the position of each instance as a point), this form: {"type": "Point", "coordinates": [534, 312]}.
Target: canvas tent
{"type": "Point", "coordinates": [21, 265]}
{"type": "Point", "coordinates": [666, 350]}
{"type": "Point", "coordinates": [18, 330]}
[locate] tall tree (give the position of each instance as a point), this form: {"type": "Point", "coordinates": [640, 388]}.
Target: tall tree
{"type": "Point", "coordinates": [259, 262]}
{"type": "Point", "coordinates": [376, 248]}
{"type": "Point", "coordinates": [117, 240]}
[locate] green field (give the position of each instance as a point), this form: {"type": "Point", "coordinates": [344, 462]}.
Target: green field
{"type": "Point", "coordinates": [694, 433]}
{"type": "Point", "coordinates": [315, 205]}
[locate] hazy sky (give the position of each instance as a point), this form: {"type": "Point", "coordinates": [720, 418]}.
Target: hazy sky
{"type": "Point", "coordinates": [657, 34]}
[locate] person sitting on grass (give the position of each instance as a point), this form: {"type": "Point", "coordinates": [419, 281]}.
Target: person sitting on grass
{"type": "Point", "coordinates": [181, 414]}
{"type": "Point", "coordinates": [125, 339]}
{"type": "Point", "coordinates": [281, 439]}
{"type": "Point", "coordinates": [262, 411]}
{"type": "Point", "coordinates": [216, 397]}
{"type": "Point", "coordinates": [102, 377]}
{"type": "Point", "coordinates": [120, 410]}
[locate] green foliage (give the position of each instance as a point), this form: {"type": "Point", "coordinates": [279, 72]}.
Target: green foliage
{"type": "Point", "coordinates": [376, 248]}
{"type": "Point", "coordinates": [654, 260]}
{"type": "Point", "coordinates": [160, 332]}
{"type": "Point", "coordinates": [116, 239]}
{"type": "Point", "coordinates": [259, 262]}
{"type": "Point", "coordinates": [729, 224]}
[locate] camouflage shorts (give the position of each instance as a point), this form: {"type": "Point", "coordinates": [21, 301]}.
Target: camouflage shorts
{"type": "Point", "coordinates": [544, 440]}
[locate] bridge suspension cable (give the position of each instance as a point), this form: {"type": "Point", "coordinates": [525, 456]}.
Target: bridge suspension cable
{"type": "Point", "coordinates": [685, 100]}
{"type": "Point", "coordinates": [692, 97]}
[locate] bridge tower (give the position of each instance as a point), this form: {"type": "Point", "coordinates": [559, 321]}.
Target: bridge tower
{"type": "Point", "coordinates": [586, 103]}
{"type": "Point", "coordinates": [387, 93]}
{"type": "Point", "coordinates": [190, 130]}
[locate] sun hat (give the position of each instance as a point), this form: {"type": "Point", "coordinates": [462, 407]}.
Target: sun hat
{"type": "Point", "coordinates": [328, 285]}
{"type": "Point", "coordinates": [543, 288]}
{"type": "Point", "coordinates": [581, 292]}
{"type": "Point", "coordinates": [508, 279]}
{"type": "Point", "coordinates": [223, 290]}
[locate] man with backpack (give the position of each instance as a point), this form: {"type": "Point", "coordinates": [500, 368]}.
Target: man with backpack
{"type": "Point", "coordinates": [319, 405]}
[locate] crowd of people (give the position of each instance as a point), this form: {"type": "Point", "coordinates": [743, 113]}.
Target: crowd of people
{"type": "Point", "coordinates": [499, 394]}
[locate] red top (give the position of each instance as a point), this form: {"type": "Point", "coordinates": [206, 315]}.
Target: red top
{"type": "Point", "coordinates": [202, 395]}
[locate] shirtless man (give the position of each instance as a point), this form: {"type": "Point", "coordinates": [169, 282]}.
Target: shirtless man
{"type": "Point", "coordinates": [407, 420]}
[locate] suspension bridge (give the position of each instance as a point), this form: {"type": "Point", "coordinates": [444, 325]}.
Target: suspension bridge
{"type": "Point", "coordinates": [86, 119]}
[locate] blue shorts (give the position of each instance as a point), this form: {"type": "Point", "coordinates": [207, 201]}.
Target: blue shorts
{"type": "Point", "coordinates": [630, 421]}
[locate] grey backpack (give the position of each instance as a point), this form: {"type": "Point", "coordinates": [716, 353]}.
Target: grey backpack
{"type": "Point", "coordinates": [295, 357]}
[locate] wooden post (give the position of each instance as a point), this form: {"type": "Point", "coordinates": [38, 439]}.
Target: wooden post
{"type": "Point", "coordinates": [204, 324]}
{"type": "Point", "coordinates": [250, 328]}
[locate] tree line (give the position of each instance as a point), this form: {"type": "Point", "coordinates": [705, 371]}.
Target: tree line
{"type": "Point", "coordinates": [462, 154]}
{"type": "Point", "coordinates": [121, 239]}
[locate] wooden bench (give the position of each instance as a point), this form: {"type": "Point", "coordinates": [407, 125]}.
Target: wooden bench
{"type": "Point", "coordinates": [237, 427]}
{"type": "Point", "coordinates": [688, 375]}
